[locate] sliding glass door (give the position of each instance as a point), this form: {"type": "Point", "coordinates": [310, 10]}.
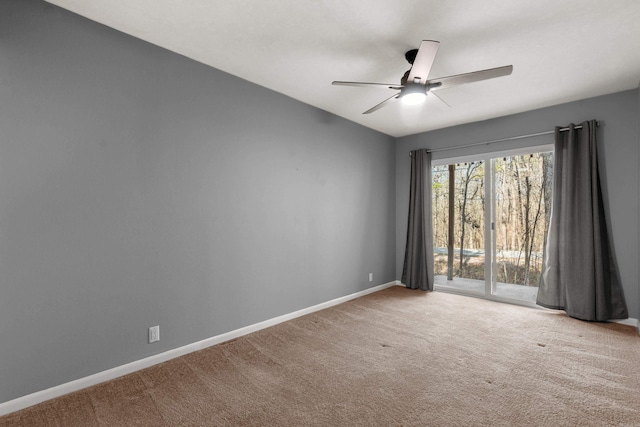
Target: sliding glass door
{"type": "Point", "coordinates": [459, 206]}
{"type": "Point", "coordinates": [490, 221]}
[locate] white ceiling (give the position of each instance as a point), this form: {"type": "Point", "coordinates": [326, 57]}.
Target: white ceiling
{"type": "Point", "coordinates": [561, 50]}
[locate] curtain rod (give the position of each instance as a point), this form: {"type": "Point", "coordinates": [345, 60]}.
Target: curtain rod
{"type": "Point", "coordinates": [511, 138]}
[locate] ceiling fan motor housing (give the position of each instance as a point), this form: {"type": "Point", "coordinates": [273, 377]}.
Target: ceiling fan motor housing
{"type": "Point", "coordinates": [413, 88]}
{"type": "Point", "coordinates": [410, 55]}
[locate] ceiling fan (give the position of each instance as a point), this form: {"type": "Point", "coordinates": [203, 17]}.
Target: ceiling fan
{"type": "Point", "coordinates": [415, 85]}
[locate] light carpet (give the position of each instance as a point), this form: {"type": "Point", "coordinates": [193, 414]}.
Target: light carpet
{"type": "Point", "coordinates": [393, 358]}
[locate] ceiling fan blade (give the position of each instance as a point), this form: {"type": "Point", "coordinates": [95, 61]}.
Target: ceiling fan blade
{"type": "Point", "coordinates": [365, 84]}
{"type": "Point", "coordinates": [382, 104]}
{"type": "Point", "coordinates": [423, 62]}
{"type": "Point", "coordinates": [475, 76]}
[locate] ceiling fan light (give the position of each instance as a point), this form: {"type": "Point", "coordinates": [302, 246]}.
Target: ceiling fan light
{"type": "Point", "coordinates": [414, 98]}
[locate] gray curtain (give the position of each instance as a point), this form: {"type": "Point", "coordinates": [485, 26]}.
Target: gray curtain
{"type": "Point", "coordinates": [418, 255]}
{"type": "Point", "coordinates": [580, 276]}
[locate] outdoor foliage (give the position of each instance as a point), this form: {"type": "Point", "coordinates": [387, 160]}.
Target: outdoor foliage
{"type": "Point", "coordinates": [523, 207]}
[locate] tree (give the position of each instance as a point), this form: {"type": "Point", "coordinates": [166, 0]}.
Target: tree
{"type": "Point", "coordinates": [463, 209]}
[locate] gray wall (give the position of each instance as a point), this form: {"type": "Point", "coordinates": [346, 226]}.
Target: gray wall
{"type": "Point", "coordinates": [140, 188]}
{"type": "Point", "coordinates": [618, 151]}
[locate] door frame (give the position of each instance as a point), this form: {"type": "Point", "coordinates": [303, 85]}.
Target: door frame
{"type": "Point", "coordinates": [490, 264]}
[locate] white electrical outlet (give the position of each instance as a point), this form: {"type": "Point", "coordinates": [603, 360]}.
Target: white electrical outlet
{"type": "Point", "coordinates": [371, 277]}
{"type": "Point", "coordinates": [154, 334]}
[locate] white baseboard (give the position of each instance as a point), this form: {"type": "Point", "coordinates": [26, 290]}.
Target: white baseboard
{"type": "Point", "coordinates": [119, 371]}
{"type": "Point", "coordinates": [630, 322]}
